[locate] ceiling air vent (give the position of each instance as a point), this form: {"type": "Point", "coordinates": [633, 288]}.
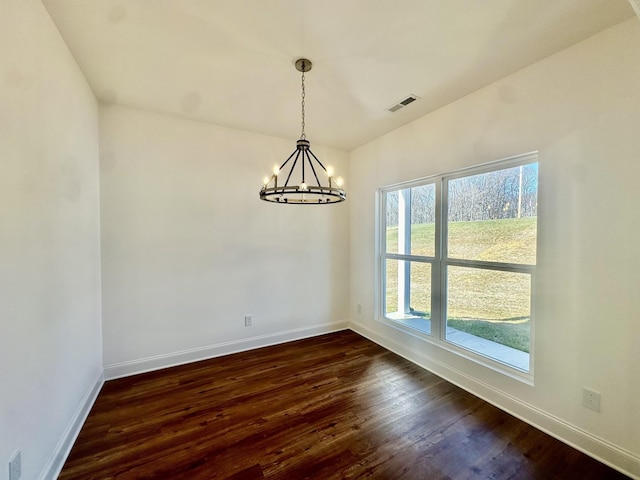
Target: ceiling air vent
{"type": "Point", "coordinates": [402, 103]}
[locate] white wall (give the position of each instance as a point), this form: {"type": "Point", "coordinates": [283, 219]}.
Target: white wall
{"type": "Point", "coordinates": [50, 332]}
{"type": "Point", "coordinates": [581, 109]}
{"type": "Point", "coordinates": [188, 248]}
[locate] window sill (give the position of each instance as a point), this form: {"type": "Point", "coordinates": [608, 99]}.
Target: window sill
{"type": "Point", "coordinates": [506, 360]}
{"type": "Point", "coordinates": [495, 351]}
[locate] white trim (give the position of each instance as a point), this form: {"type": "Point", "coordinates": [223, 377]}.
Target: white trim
{"type": "Point", "coordinates": [612, 455]}
{"type": "Point", "coordinates": [148, 364]}
{"type": "Point", "coordinates": [54, 465]}
{"type": "Point", "coordinates": [636, 6]}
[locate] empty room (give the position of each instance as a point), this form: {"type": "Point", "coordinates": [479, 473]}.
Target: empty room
{"type": "Point", "coordinates": [290, 239]}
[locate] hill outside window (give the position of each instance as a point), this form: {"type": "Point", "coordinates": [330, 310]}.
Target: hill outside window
{"type": "Point", "coordinates": [457, 260]}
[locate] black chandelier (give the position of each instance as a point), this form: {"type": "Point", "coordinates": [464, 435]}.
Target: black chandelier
{"type": "Point", "coordinates": [303, 193]}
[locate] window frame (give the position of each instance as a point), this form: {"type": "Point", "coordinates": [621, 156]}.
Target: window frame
{"type": "Point", "coordinates": [440, 263]}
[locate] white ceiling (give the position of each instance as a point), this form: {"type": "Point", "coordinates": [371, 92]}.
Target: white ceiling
{"type": "Point", "coordinates": [231, 62]}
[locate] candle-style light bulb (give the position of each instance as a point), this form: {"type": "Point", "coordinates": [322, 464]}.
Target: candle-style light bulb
{"type": "Point", "coordinates": [303, 186]}
{"type": "Point", "coordinates": [329, 171]}
{"type": "Point", "coordinates": [276, 170]}
{"type": "Point", "coordinates": [266, 181]}
{"type": "Point", "coordinates": [339, 181]}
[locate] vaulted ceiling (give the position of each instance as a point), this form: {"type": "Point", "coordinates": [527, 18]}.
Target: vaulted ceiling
{"type": "Point", "coordinates": [231, 62]}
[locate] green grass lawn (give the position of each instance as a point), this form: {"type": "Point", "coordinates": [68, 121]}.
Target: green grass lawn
{"type": "Point", "coordinates": [509, 334]}
{"type": "Point", "coordinates": [487, 303]}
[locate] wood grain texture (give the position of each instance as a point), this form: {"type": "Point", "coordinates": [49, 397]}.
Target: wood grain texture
{"type": "Point", "coordinates": [335, 406]}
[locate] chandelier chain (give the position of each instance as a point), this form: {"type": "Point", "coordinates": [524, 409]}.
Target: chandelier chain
{"type": "Point", "coordinates": [302, 135]}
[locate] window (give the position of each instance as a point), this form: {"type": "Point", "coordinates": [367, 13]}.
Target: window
{"type": "Point", "coordinates": [410, 246]}
{"type": "Point", "coordinates": [457, 259]}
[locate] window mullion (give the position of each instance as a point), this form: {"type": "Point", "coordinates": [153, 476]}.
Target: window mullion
{"type": "Point", "coordinates": [404, 247]}
{"type": "Point", "coordinates": [438, 283]}
{"type": "Point", "coordinates": [410, 258]}
{"type": "Point", "coordinates": [502, 266]}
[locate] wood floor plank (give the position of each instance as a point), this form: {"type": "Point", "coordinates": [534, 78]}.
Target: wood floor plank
{"type": "Point", "coordinates": [335, 406]}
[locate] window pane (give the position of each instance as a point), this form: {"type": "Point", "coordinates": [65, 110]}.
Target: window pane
{"type": "Point", "coordinates": [488, 311]}
{"type": "Point", "coordinates": [414, 207]}
{"type": "Point", "coordinates": [423, 217]}
{"type": "Point", "coordinates": [408, 293]}
{"type": "Point", "coordinates": [391, 288]}
{"type": "Point", "coordinates": [391, 221]}
{"type": "Point", "coordinates": [493, 216]}
{"type": "Point", "coordinates": [420, 291]}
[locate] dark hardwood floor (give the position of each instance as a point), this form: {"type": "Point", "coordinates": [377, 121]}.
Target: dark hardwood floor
{"type": "Point", "coordinates": [331, 407]}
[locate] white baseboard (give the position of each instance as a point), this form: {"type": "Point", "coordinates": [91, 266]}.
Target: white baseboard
{"type": "Point", "coordinates": [173, 359]}
{"type": "Point", "coordinates": [616, 457]}
{"type": "Point", "coordinates": [56, 461]}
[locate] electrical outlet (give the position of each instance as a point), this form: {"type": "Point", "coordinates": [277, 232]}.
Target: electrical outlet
{"type": "Point", "coordinates": [591, 399]}
{"type": "Point", "coordinates": [15, 466]}
{"type": "Point", "coordinates": [248, 320]}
